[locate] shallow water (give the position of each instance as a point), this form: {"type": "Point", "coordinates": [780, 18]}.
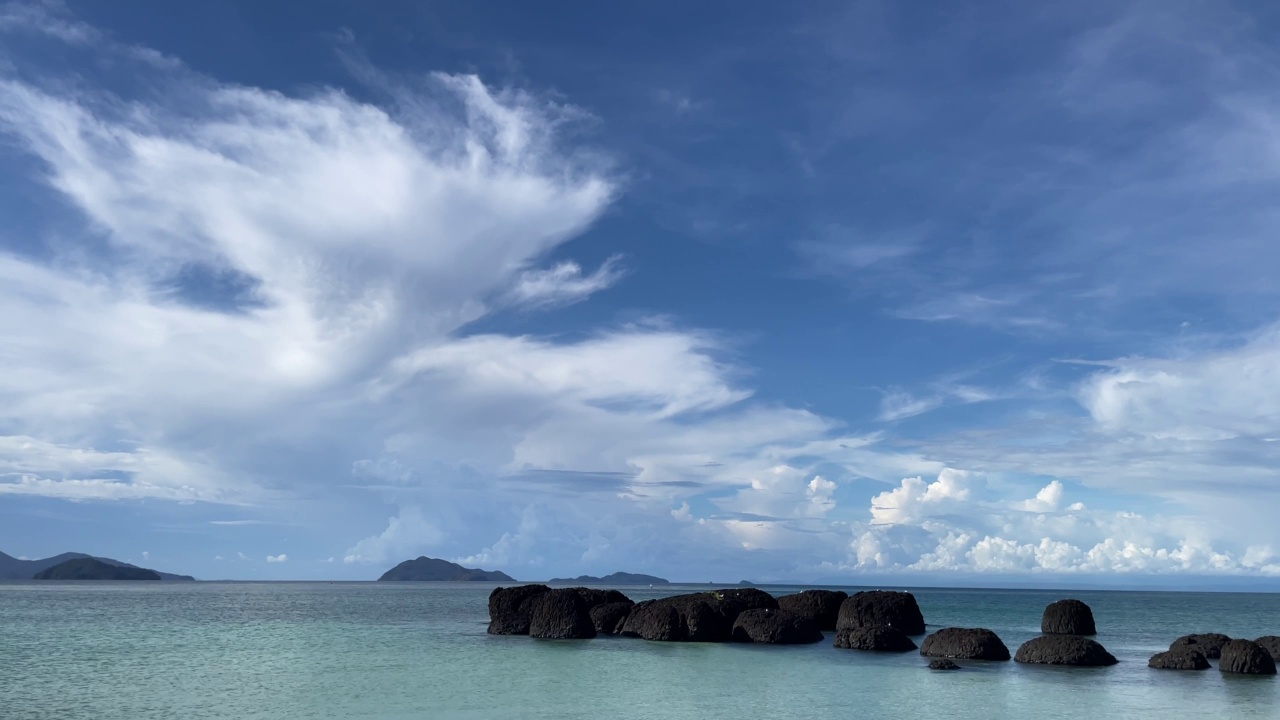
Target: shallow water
{"type": "Point", "coordinates": [419, 650]}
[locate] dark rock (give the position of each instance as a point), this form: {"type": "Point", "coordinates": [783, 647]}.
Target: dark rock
{"type": "Point", "coordinates": [94, 569]}
{"type": "Point", "coordinates": [1247, 658]}
{"type": "Point", "coordinates": [593, 597]}
{"type": "Point", "coordinates": [510, 609]}
{"type": "Point", "coordinates": [880, 638]}
{"type": "Point", "coordinates": [560, 614]}
{"type": "Point", "coordinates": [965, 643]}
{"type": "Point", "coordinates": [1068, 617]}
{"type": "Point", "coordinates": [696, 617]}
{"type": "Point", "coordinates": [609, 617]}
{"type": "Point", "coordinates": [887, 608]}
{"type": "Point", "coordinates": [1270, 643]}
{"type": "Point", "coordinates": [942, 664]}
{"type": "Point", "coordinates": [777, 627]}
{"type": "Point", "coordinates": [1208, 643]}
{"type": "Point", "coordinates": [820, 606]}
{"type": "Point", "coordinates": [1181, 658]}
{"type": "Point", "coordinates": [1064, 650]}
{"type": "Point", "coordinates": [433, 569]}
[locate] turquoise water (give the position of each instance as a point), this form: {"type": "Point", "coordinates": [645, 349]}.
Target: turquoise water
{"type": "Point", "coordinates": [389, 650]}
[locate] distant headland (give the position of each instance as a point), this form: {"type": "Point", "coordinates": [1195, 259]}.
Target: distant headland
{"type": "Point", "coordinates": [101, 568]}
{"type": "Point", "coordinates": [618, 578]}
{"type": "Point", "coordinates": [91, 569]}
{"type": "Point", "coordinates": [435, 570]}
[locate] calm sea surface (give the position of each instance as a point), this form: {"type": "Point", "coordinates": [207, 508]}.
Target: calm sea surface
{"type": "Point", "coordinates": [379, 650]}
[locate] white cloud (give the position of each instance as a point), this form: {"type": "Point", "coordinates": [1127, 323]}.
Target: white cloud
{"type": "Point", "coordinates": [277, 558]}
{"type": "Point", "coordinates": [146, 555]}
{"type": "Point", "coordinates": [563, 283]}
{"type": "Point", "coordinates": [407, 535]}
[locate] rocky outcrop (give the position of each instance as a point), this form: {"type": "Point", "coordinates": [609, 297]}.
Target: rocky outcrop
{"type": "Point", "coordinates": [1246, 657]}
{"type": "Point", "coordinates": [561, 614]}
{"type": "Point", "coordinates": [942, 664]}
{"type": "Point", "coordinates": [1270, 643]}
{"type": "Point", "coordinates": [697, 617]}
{"type": "Point", "coordinates": [511, 608]}
{"type": "Point", "coordinates": [1208, 643]}
{"type": "Point", "coordinates": [775, 627]}
{"type": "Point", "coordinates": [1064, 650]}
{"type": "Point", "coordinates": [593, 597]}
{"type": "Point", "coordinates": [433, 569]}
{"type": "Point", "coordinates": [1181, 658]}
{"type": "Point", "coordinates": [965, 643]}
{"type": "Point", "coordinates": [820, 606]}
{"type": "Point", "coordinates": [887, 608]}
{"type": "Point", "coordinates": [1068, 617]}
{"type": "Point", "coordinates": [609, 617]}
{"type": "Point", "coordinates": [94, 569]}
{"type": "Point", "coordinates": [879, 638]}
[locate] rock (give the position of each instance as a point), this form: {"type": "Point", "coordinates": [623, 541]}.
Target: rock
{"type": "Point", "coordinates": [609, 617]}
{"type": "Point", "coordinates": [1068, 617]}
{"type": "Point", "coordinates": [1270, 643]}
{"type": "Point", "coordinates": [510, 609]}
{"type": "Point", "coordinates": [1186, 657]}
{"type": "Point", "coordinates": [560, 614]}
{"type": "Point", "coordinates": [820, 606]}
{"type": "Point", "coordinates": [1064, 650]}
{"type": "Point", "coordinates": [776, 627]}
{"type": "Point", "coordinates": [428, 569]}
{"type": "Point", "coordinates": [1208, 643]}
{"type": "Point", "coordinates": [942, 664]}
{"type": "Point", "coordinates": [593, 597]}
{"type": "Point", "coordinates": [696, 617]}
{"type": "Point", "coordinates": [1246, 657]}
{"type": "Point", "coordinates": [880, 638]}
{"type": "Point", "coordinates": [872, 608]}
{"type": "Point", "coordinates": [965, 643]}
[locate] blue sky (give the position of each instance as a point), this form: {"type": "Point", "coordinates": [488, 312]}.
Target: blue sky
{"type": "Point", "coordinates": [713, 291]}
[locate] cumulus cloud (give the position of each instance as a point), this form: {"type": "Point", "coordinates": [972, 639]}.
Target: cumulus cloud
{"type": "Point", "coordinates": [407, 534]}
{"type": "Point", "coordinates": [277, 558]}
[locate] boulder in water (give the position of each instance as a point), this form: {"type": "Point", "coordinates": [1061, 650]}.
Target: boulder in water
{"type": "Point", "coordinates": [510, 609]}
{"type": "Point", "coordinates": [880, 638]}
{"type": "Point", "coordinates": [609, 617]}
{"type": "Point", "coordinates": [820, 606]}
{"type": "Point", "coordinates": [1246, 657]}
{"type": "Point", "coordinates": [882, 608]}
{"type": "Point", "coordinates": [1186, 657]}
{"type": "Point", "coordinates": [776, 627]}
{"type": "Point", "coordinates": [560, 614]}
{"type": "Point", "coordinates": [1208, 643]}
{"type": "Point", "coordinates": [1270, 643]}
{"type": "Point", "coordinates": [1064, 650]}
{"type": "Point", "coordinates": [696, 617]}
{"type": "Point", "coordinates": [942, 664]}
{"type": "Point", "coordinates": [965, 643]}
{"type": "Point", "coordinates": [1068, 617]}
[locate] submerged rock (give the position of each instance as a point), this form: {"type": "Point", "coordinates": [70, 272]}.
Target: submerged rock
{"type": "Point", "coordinates": [1186, 657]}
{"type": "Point", "coordinates": [965, 643]}
{"type": "Point", "coordinates": [882, 608]}
{"type": "Point", "coordinates": [609, 617]}
{"type": "Point", "coordinates": [510, 608]}
{"type": "Point", "coordinates": [1068, 617]}
{"type": "Point", "coordinates": [777, 627]}
{"type": "Point", "coordinates": [560, 614]}
{"type": "Point", "coordinates": [820, 606]}
{"type": "Point", "coordinates": [1064, 650]}
{"type": "Point", "coordinates": [942, 664]}
{"type": "Point", "coordinates": [1246, 657]}
{"type": "Point", "coordinates": [1208, 643]}
{"type": "Point", "coordinates": [696, 617]}
{"type": "Point", "coordinates": [878, 638]}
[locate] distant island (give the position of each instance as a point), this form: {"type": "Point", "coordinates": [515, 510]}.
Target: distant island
{"type": "Point", "coordinates": [92, 569]}
{"type": "Point", "coordinates": [432, 569]}
{"type": "Point", "coordinates": [12, 568]}
{"type": "Point", "coordinates": [618, 578]}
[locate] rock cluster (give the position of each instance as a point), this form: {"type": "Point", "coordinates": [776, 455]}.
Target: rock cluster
{"type": "Point", "coordinates": [966, 644]}
{"type": "Point", "coordinates": [777, 627]}
{"type": "Point", "coordinates": [1208, 643]}
{"type": "Point", "coordinates": [696, 617]}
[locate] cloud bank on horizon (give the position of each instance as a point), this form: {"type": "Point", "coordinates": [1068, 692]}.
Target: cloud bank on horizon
{"type": "Point", "coordinates": [947, 294]}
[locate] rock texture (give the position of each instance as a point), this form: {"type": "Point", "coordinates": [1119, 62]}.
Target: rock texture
{"type": "Point", "coordinates": [820, 606]}
{"type": "Point", "coordinates": [965, 643]}
{"type": "Point", "coordinates": [1182, 658]}
{"type": "Point", "coordinates": [560, 615]}
{"type": "Point", "coordinates": [874, 608]}
{"type": "Point", "coordinates": [1064, 650]}
{"type": "Point", "coordinates": [776, 627]}
{"type": "Point", "coordinates": [609, 617]}
{"type": "Point", "coordinates": [511, 609]}
{"type": "Point", "coordinates": [1208, 643]}
{"type": "Point", "coordinates": [880, 638]}
{"type": "Point", "coordinates": [943, 664]}
{"type": "Point", "coordinates": [696, 617]}
{"type": "Point", "coordinates": [1068, 617]}
{"type": "Point", "coordinates": [1246, 657]}
{"type": "Point", "coordinates": [1270, 643]}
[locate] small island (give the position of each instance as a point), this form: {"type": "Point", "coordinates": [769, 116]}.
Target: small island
{"type": "Point", "coordinates": [618, 578]}
{"type": "Point", "coordinates": [425, 569]}
{"type": "Point", "coordinates": [94, 569]}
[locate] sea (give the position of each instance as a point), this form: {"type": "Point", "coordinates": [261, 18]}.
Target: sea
{"type": "Point", "coordinates": [409, 651]}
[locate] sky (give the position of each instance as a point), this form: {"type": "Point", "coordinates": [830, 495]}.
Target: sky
{"type": "Point", "coordinates": [847, 292]}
